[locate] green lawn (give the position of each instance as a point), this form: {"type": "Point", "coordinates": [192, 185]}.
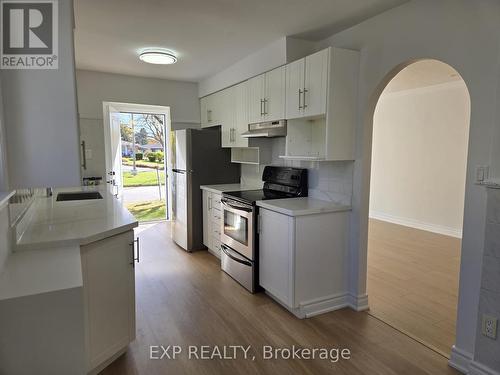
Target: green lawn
{"type": "Point", "coordinates": [143, 178]}
{"type": "Point", "coordinates": [143, 163]}
{"type": "Point", "coordinates": [148, 211]}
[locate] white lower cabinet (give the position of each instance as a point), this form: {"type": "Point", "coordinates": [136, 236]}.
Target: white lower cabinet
{"type": "Point", "coordinates": [303, 260]}
{"type": "Point", "coordinates": [212, 222]}
{"type": "Point", "coordinates": [109, 298]}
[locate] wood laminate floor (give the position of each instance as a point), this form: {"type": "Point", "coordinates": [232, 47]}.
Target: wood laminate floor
{"type": "Point", "coordinates": [413, 282]}
{"type": "Point", "coordinates": [184, 299]}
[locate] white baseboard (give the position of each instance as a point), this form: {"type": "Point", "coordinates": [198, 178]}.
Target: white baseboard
{"type": "Point", "coordinates": [412, 223]}
{"type": "Point", "coordinates": [358, 303]}
{"type": "Point", "coordinates": [319, 306]}
{"type": "Point", "coordinates": [460, 360]}
{"type": "Point", "coordinates": [479, 369]}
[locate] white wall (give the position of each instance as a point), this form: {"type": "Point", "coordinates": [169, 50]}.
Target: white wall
{"type": "Point", "coordinates": [40, 118]}
{"type": "Point", "coordinates": [94, 88]}
{"type": "Point", "coordinates": [275, 54]}
{"type": "Point", "coordinates": [4, 180]}
{"type": "Point", "coordinates": [419, 157]}
{"type": "Point", "coordinates": [450, 31]}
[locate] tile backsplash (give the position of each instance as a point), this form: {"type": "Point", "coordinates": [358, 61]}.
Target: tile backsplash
{"type": "Point", "coordinates": [328, 180]}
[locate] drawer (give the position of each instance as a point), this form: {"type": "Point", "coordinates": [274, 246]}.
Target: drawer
{"type": "Point", "coordinates": [216, 229]}
{"type": "Point", "coordinates": [216, 204]}
{"type": "Point", "coordinates": [216, 215]}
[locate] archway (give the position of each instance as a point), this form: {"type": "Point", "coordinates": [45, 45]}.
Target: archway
{"type": "Point", "coordinates": [420, 116]}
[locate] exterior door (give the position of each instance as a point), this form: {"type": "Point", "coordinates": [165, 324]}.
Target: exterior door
{"type": "Point", "coordinates": [180, 175]}
{"type": "Point", "coordinates": [112, 136]}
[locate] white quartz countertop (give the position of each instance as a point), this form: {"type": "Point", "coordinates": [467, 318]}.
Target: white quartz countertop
{"type": "Point", "coordinates": [35, 272]}
{"type": "Point", "coordinates": [4, 197]}
{"type": "Point", "coordinates": [219, 189]}
{"type": "Point", "coordinates": [66, 223]}
{"type": "Point", "coordinates": [302, 206]}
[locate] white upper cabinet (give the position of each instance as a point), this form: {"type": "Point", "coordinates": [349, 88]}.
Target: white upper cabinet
{"type": "Point", "coordinates": [316, 83]}
{"type": "Point", "coordinates": [274, 94]}
{"type": "Point", "coordinates": [321, 97]}
{"type": "Point", "coordinates": [266, 96]}
{"type": "Point", "coordinates": [211, 111]}
{"type": "Point", "coordinates": [295, 72]}
{"type": "Point", "coordinates": [256, 99]}
{"type": "Point", "coordinates": [307, 85]}
{"type": "Point", "coordinates": [240, 98]}
{"type": "Point", "coordinates": [234, 115]}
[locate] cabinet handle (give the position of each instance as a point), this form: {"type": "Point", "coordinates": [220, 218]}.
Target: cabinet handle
{"type": "Point", "coordinates": [209, 115]}
{"type": "Point", "coordinates": [265, 110]}
{"type": "Point", "coordinates": [300, 96]}
{"type": "Point", "coordinates": [134, 259]}
{"type": "Point", "coordinates": [209, 203]}
{"type": "Point", "coordinates": [304, 106]}
{"type": "Point", "coordinates": [261, 110]}
{"type": "Point", "coordinates": [233, 135]}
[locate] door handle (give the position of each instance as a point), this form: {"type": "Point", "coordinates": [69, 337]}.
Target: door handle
{"type": "Point", "coordinates": [84, 158]}
{"type": "Point", "coordinates": [134, 259]}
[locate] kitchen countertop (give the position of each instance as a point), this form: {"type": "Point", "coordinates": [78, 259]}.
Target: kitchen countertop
{"type": "Point", "coordinates": [34, 272]}
{"type": "Point", "coordinates": [302, 206]}
{"type": "Point", "coordinates": [219, 189]}
{"type": "Point", "coordinates": [4, 197]}
{"type": "Point", "coordinates": [56, 224]}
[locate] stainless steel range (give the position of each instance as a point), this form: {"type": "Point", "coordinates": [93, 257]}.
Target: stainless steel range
{"type": "Point", "coordinates": [239, 232]}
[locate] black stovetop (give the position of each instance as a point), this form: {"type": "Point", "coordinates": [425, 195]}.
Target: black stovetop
{"type": "Point", "coordinates": [251, 196]}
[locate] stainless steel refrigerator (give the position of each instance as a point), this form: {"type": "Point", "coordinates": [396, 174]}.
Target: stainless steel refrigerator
{"type": "Point", "coordinates": [197, 159]}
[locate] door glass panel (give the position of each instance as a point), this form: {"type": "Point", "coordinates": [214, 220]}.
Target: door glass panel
{"type": "Point", "coordinates": [236, 227]}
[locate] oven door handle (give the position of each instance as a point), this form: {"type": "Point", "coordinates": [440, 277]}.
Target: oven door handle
{"type": "Point", "coordinates": [236, 206]}
{"type": "Point", "coordinates": [226, 250]}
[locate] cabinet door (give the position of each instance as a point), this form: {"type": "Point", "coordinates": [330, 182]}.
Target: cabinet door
{"type": "Point", "coordinates": [204, 112]}
{"type": "Point", "coordinates": [225, 114]}
{"type": "Point", "coordinates": [274, 105]}
{"type": "Point", "coordinates": [206, 217]}
{"type": "Point", "coordinates": [275, 255]}
{"type": "Point", "coordinates": [316, 83]}
{"type": "Point", "coordinates": [109, 296]}
{"type": "Point", "coordinates": [255, 99]}
{"type": "Point", "coordinates": [241, 115]}
{"type": "Point", "coordinates": [294, 88]}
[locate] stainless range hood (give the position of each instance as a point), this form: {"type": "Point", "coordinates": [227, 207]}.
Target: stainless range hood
{"type": "Point", "coordinates": [266, 130]}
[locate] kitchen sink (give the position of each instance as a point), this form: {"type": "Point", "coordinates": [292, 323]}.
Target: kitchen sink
{"type": "Point", "coordinates": [78, 196]}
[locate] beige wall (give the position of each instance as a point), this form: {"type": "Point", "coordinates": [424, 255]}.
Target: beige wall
{"type": "Point", "coordinates": [419, 157]}
{"type": "Point", "coordinates": [94, 88]}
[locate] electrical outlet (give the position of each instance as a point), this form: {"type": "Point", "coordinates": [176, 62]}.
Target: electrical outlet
{"type": "Point", "coordinates": [489, 326]}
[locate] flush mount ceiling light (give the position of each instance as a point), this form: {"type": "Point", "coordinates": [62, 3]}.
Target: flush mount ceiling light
{"type": "Point", "coordinates": [160, 57]}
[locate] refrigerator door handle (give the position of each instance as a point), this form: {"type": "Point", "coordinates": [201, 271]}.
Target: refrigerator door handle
{"type": "Point", "coordinates": [181, 171]}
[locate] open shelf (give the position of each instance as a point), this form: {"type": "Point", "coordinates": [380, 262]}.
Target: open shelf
{"type": "Point", "coordinates": [302, 157]}
{"type": "Point", "coordinates": [245, 155]}
{"type": "Point", "coordinates": [306, 139]}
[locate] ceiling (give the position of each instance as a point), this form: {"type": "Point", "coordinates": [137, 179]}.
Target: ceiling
{"type": "Point", "coordinates": [422, 74]}
{"type": "Point", "coordinates": [207, 35]}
